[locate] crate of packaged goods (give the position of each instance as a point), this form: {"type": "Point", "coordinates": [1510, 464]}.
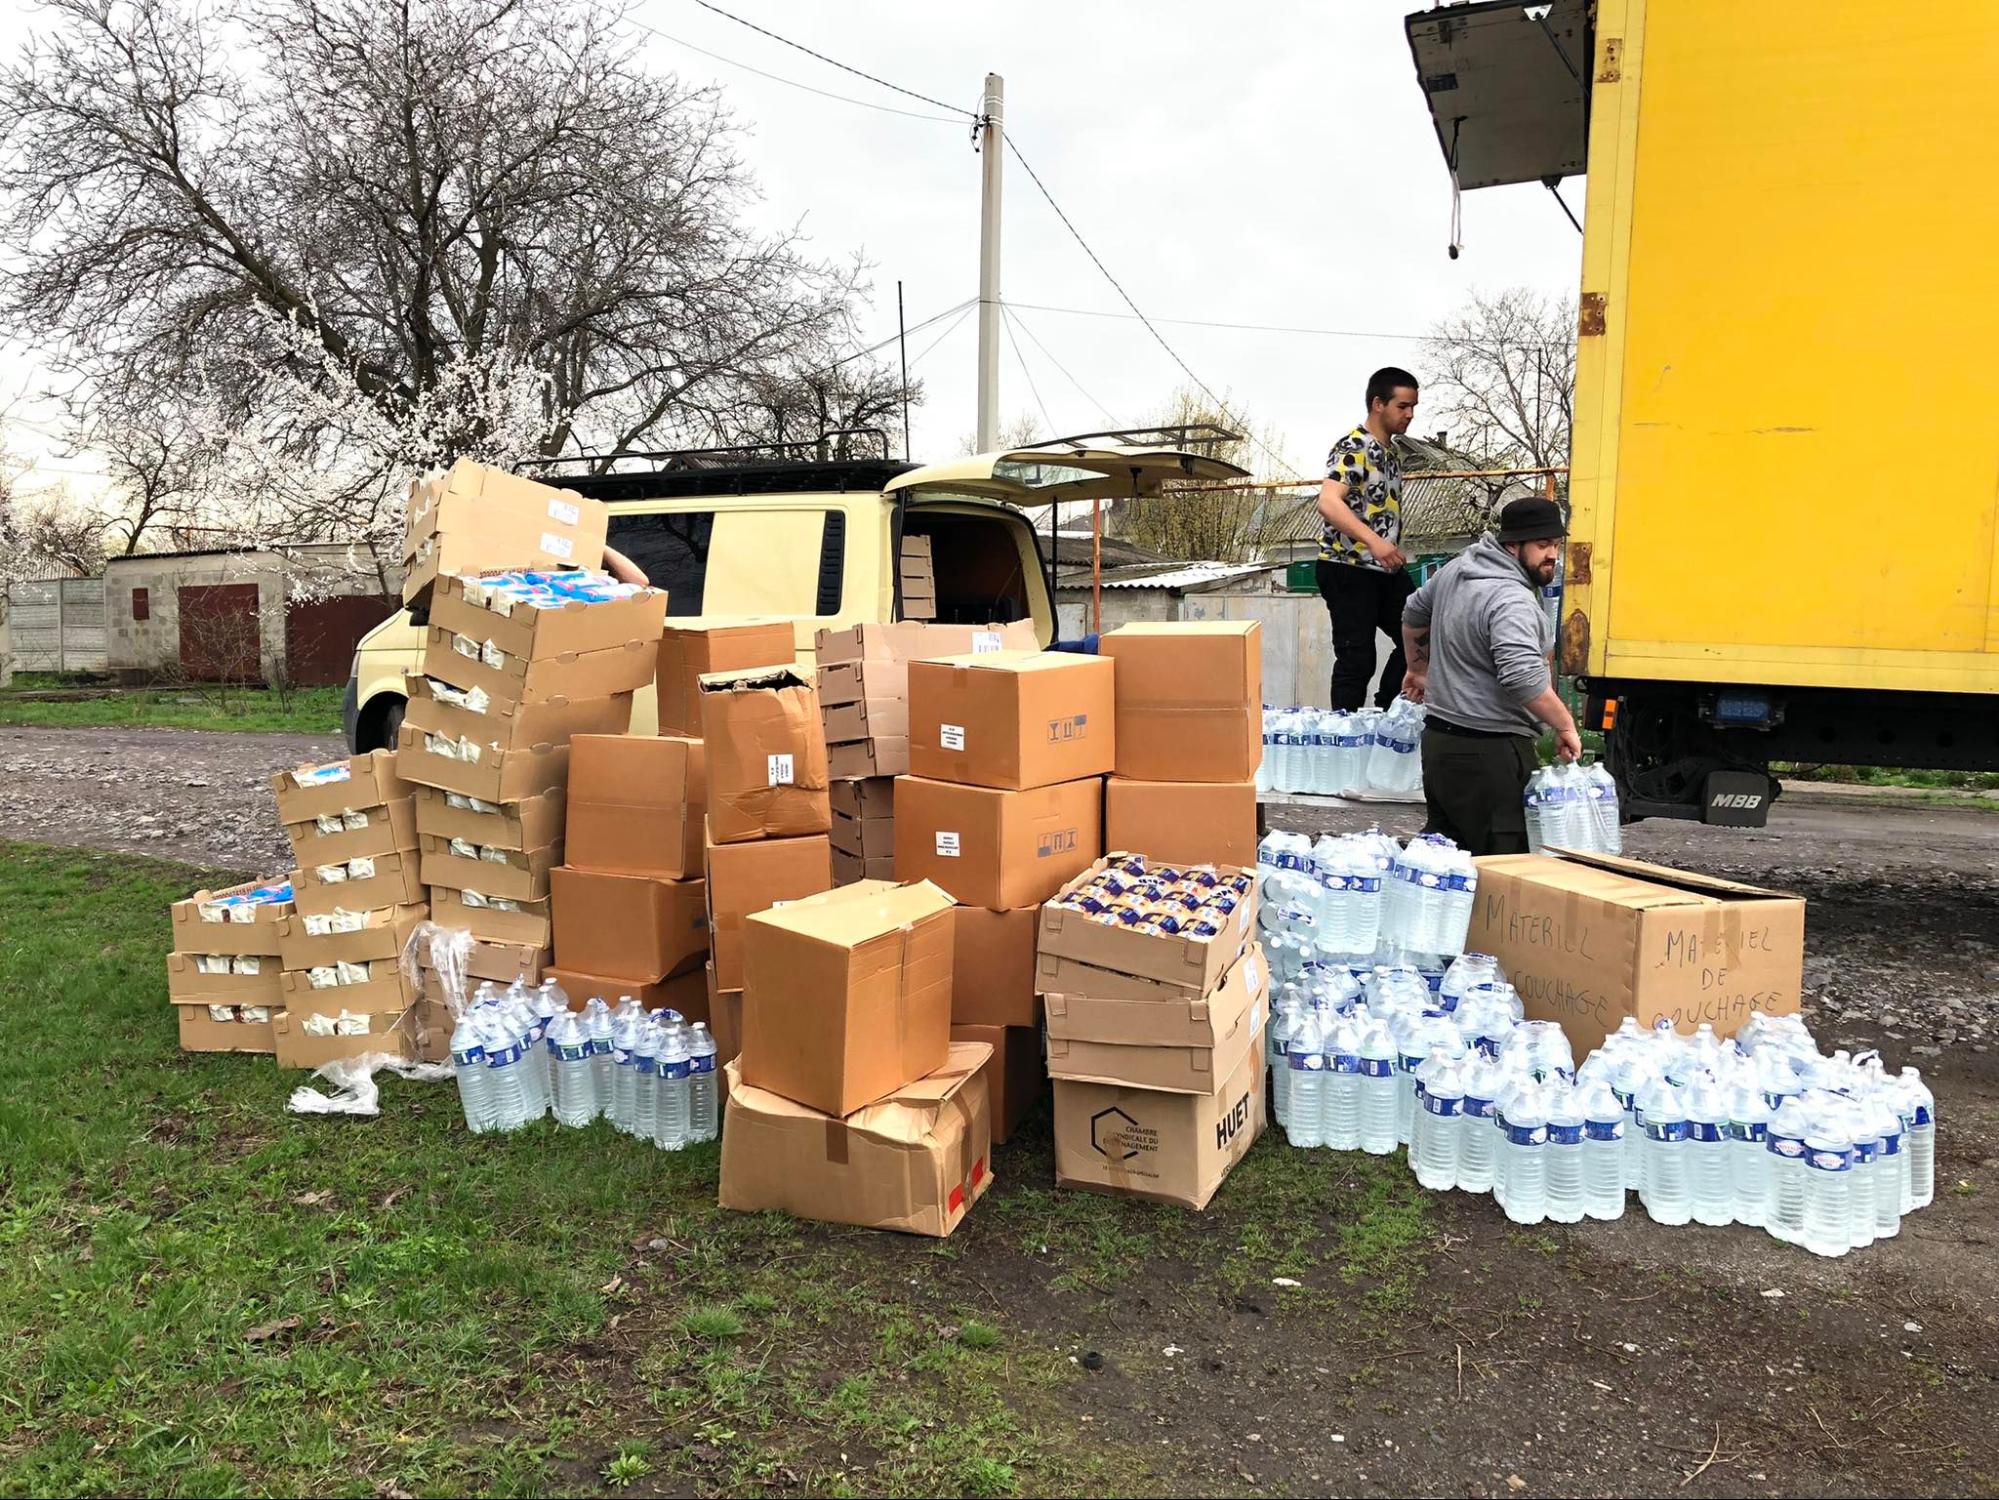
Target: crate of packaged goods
{"type": "Point", "coordinates": [637, 805]}
{"type": "Point", "coordinates": [1189, 1045]}
{"type": "Point", "coordinates": [480, 771]}
{"type": "Point", "coordinates": [688, 652]}
{"type": "Point", "coordinates": [463, 865]}
{"type": "Point", "coordinates": [474, 518]}
{"type": "Point", "coordinates": [872, 660]}
{"type": "Point", "coordinates": [309, 793]}
{"type": "Point", "coordinates": [864, 838]}
{"type": "Point", "coordinates": [1189, 699]}
{"type": "Point", "coordinates": [1011, 719]}
{"type": "Point", "coordinates": [544, 616]}
{"type": "Point", "coordinates": [374, 986]}
{"type": "Point", "coordinates": [223, 973]}
{"type": "Point", "coordinates": [363, 883]}
{"type": "Point", "coordinates": [849, 868]}
{"type": "Point", "coordinates": [494, 919]}
{"type": "Point", "coordinates": [1153, 924]}
{"type": "Point", "coordinates": [754, 876]}
{"type": "Point", "coordinates": [226, 1028]}
{"type": "Point", "coordinates": [465, 663]}
{"type": "Point", "coordinates": [224, 979]}
{"type": "Point", "coordinates": [310, 941]}
{"type": "Point", "coordinates": [239, 919]}
{"type": "Point", "coordinates": [915, 1161]}
{"type": "Point", "coordinates": [355, 833]}
{"type": "Point", "coordinates": [458, 714]}
{"type": "Point", "coordinates": [918, 576]}
{"type": "Point", "coordinates": [867, 719]}
{"type": "Point", "coordinates": [532, 823]}
{"type": "Point", "coordinates": [310, 1037]}
{"type": "Point", "coordinates": [766, 756]}
{"type": "Point", "coordinates": [870, 797]}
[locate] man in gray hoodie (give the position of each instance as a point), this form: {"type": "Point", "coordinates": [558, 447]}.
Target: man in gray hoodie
{"type": "Point", "coordinates": [1477, 643]}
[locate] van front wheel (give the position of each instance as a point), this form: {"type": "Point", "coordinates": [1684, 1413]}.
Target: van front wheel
{"type": "Point", "coordinates": [381, 722]}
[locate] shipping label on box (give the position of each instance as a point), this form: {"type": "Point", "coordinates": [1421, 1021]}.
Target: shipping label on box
{"type": "Point", "coordinates": [462, 662]}
{"type": "Point", "coordinates": [364, 884]}
{"type": "Point", "coordinates": [1183, 960]}
{"type": "Point", "coordinates": [440, 709]}
{"type": "Point", "coordinates": [532, 823]}
{"type": "Point", "coordinates": [916, 1161]}
{"type": "Point", "coordinates": [238, 919]}
{"type": "Point", "coordinates": [909, 640]}
{"type": "Point", "coordinates": [1189, 699]}
{"type": "Point", "coordinates": [638, 926]}
{"type": "Point", "coordinates": [334, 838]}
{"type": "Point", "coordinates": [1588, 940]}
{"type": "Point", "coordinates": [1011, 719]}
{"type": "Point", "coordinates": [521, 874]}
{"type": "Point", "coordinates": [636, 805]}
{"type": "Point", "coordinates": [357, 937]}
{"type": "Point", "coordinates": [1169, 1148]}
{"type": "Point", "coordinates": [361, 781]}
{"type": "Point", "coordinates": [688, 651]}
{"type": "Point", "coordinates": [994, 848]}
{"type": "Point", "coordinates": [753, 877]}
{"type": "Point", "coordinates": [494, 776]}
{"type": "Point", "coordinates": [312, 1038]}
{"type": "Point", "coordinates": [496, 919]}
{"type": "Point", "coordinates": [766, 756]}
{"type": "Point", "coordinates": [1125, 1040]}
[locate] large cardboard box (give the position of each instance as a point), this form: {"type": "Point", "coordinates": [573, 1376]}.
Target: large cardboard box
{"type": "Point", "coordinates": [1588, 940]}
{"type": "Point", "coordinates": [508, 681]}
{"type": "Point", "coordinates": [363, 832]}
{"type": "Point", "coordinates": [915, 1161]}
{"type": "Point", "coordinates": [524, 924]}
{"type": "Point", "coordinates": [636, 804]}
{"type": "Point", "coordinates": [1189, 699]}
{"type": "Point", "coordinates": [496, 776]}
{"type": "Point", "coordinates": [753, 877]}
{"type": "Point", "coordinates": [386, 990]}
{"type": "Point", "coordinates": [1159, 1015]}
{"type": "Point", "coordinates": [996, 848]}
{"type": "Point", "coordinates": [208, 922]}
{"type": "Point", "coordinates": [725, 1019]}
{"type": "Point", "coordinates": [1175, 959]}
{"type": "Point", "coordinates": [397, 881]}
{"type": "Point", "coordinates": [202, 1031]}
{"type": "Point", "coordinates": [532, 823]}
{"type": "Point", "coordinates": [474, 518]}
{"type": "Point", "coordinates": [1015, 1079]}
{"type": "Point", "coordinates": [686, 652]}
{"type": "Point", "coordinates": [909, 639]}
{"type": "Point", "coordinates": [872, 797]}
{"type": "Point", "coordinates": [539, 634]}
{"type": "Point", "coordinates": [1012, 719]}
{"type": "Point", "coordinates": [522, 874]}
{"type": "Point", "coordinates": [638, 927]}
{"type": "Point", "coordinates": [360, 781]}
{"type": "Point", "coordinates": [1169, 1148]}
{"type": "Point", "coordinates": [297, 1046]}
{"type": "Point", "coordinates": [382, 933]}
{"type": "Point", "coordinates": [766, 755]}
{"type": "Point", "coordinates": [992, 971]}
{"type": "Point", "coordinates": [859, 760]}
{"type": "Point", "coordinates": [686, 992]}
{"type": "Point", "coordinates": [509, 726]}
{"type": "Point", "coordinates": [1182, 822]}
{"type": "Point", "coordinates": [1188, 1048]}
{"type": "Point", "coordinates": [847, 994]}
{"type": "Point", "coordinates": [249, 979]}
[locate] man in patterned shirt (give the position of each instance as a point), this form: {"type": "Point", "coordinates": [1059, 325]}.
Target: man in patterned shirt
{"type": "Point", "coordinates": [1361, 565]}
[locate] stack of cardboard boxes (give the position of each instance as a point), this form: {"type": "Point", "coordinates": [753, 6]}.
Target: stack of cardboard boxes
{"type": "Point", "coordinates": [1003, 805]}
{"type": "Point", "coordinates": [768, 815]}
{"type": "Point", "coordinates": [473, 519]}
{"type": "Point", "coordinates": [629, 901]}
{"type": "Point", "coordinates": [919, 579]}
{"type": "Point", "coordinates": [357, 896]}
{"type": "Point", "coordinates": [222, 974]}
{"type": "Point", "coordinates": [1155, 1039]}
{"type": "Point", "coordinates": [1189, 740]}
{"type": "Point", "coordinates": [850, 1102]}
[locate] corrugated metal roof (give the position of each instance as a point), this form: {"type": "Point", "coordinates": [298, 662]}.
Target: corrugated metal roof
{"type": "Point", "coordinates": [1172, 575]}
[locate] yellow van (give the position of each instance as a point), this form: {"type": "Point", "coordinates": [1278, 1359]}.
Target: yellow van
{"type": "Point", "coordinates": [730, 533]}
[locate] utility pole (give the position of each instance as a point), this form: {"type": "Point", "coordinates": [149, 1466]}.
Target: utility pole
{"type": "Point", "coordinates": [991, 144]}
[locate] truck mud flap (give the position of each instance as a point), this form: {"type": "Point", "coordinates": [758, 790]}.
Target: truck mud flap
{"type": "Point", "coordinates": [1738, 799]}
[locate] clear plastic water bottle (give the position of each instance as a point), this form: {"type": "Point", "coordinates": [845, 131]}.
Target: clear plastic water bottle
{"type": "Point", "coordinates": [1886, 1122]}
{"type": "Point", "coordinates": [549, 1004]}
{"type": "Point", "coordinates": [572, 1082]}
{"type": "Point", "coordinates": [645, 1080]}
{"type": "Point", "coordinates": [675, 1069]}
{"type": "Point", "coordinates": [702, 1091]}
{"type": "Point", "coordinates": [1411, 1052]}
{"type": "Point", "coordinates": [1526, 1173]}
{"type": "Point", "coordinates": [1785, 1217]}
{"type": "Point", "coordinates": [1534, 805]}
{"type": "Point", "coordinates": [624, 1068]}
{"type": "Point", "coordinates": [468, 1063]}
{"type": "Point", "coordinates": [504, 1085]}
{"type": "Point", "coordinates": [597, 1021]}
{"type": "Point", "coordinates": [1263, 765]}
{"type": "Point", "coordinates": [1478, 1140]}
{"type": "Point", "coordinates": [1441, 1128]}
{"type": "Point", "coordinates": [1452, 902]}
{"type": "Point", "coordinates": [1828, 1171]}
{"type": "Point", "coordinates": [1306, 1058]}
{"type": "Point", "coordinates": [1342, 1086]}
{"type": "Point", "coordinates": [1600, 796]}
{"type": "Point", "coordinates": [1860, 1179]}
{"type": "Point", "coordinates": [1563, 1154]}
{"type": "Point", "coordinates": [1710, 1174]}
{"type": "Point", "coordinates": [1920, 1139]}
{"type": "Point", "coordinates": [1287, 1016]}
{"type": "Point", "coordinates": [1665, 1191]}
{"type": "Point", "coordinates": [1465, 973]}
{"type": "Point", "coordinates": [1603, 1151]}
{"type": "Point", "coordinates": [1749, 1115]}
{"type": "Point", "coordinates": [1635, 1069]}
{"type": "Point", "coordinates": [1379, 1093]}
{"type": "Point", "coordinates": [526, 1026]}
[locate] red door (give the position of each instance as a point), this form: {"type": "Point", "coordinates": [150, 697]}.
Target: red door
{"type": "Point", "coordinates": [320, 637]}
{"type": "Point", "coordinates": [219, 640]}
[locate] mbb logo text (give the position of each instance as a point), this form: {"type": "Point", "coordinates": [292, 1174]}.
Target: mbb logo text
{"type": "Point", "coordinates": [1736, 799]}
{"type": "Point", "coordinates": [1075, 727]}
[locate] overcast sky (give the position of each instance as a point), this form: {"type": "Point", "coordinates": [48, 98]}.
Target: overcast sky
{"type": "Point", "coordinates": [1266, 163]}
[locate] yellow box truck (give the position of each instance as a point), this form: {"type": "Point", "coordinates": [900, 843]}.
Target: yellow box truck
{"type": "Point", "coordinates": [1784, 483]}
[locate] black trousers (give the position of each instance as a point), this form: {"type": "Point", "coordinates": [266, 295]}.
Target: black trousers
{"type": "Point", "coordinates": [1362, 601]}
{"type": "Point", "coordinates": [1475, 790]}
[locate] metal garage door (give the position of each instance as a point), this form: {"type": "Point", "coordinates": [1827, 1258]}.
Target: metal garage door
{"type": "Point", "coordinates": [218, 632]}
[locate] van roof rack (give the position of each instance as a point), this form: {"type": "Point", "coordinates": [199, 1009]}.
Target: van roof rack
{"type": "Point", "coordinates": [1189, 435]}
{"type": "Point", "coordinates": [835, 445]}
{"type": "Point", "coordinates": [828, 462]}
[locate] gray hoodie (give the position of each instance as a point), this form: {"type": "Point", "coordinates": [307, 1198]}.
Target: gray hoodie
{"type": "Point", "coordinates": [1489, 640]}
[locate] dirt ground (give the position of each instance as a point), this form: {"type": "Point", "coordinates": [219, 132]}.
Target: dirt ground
{"type": "Point", "coordinates": [1620, 1358]}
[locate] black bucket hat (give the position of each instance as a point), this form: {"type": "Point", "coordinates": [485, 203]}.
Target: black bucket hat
{"type": "Point", "coordinates": [1530, 520]}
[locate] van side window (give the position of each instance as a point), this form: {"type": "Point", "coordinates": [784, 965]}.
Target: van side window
{"type": "Point", "coordinates": [672, 549]}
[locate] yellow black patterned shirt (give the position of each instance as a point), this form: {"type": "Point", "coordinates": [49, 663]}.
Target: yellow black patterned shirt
{"type": "Point", "coordinates": [1373, 477]}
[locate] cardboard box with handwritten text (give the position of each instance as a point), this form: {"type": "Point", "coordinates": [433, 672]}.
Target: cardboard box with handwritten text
{"type": "Point", "coordinates": [1588, 940]}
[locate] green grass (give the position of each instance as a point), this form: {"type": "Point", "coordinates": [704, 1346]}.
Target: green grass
{"type": "Point", "coordinates": [1972, 781]}
{"type": "Point", "coordinates": [311, 710]}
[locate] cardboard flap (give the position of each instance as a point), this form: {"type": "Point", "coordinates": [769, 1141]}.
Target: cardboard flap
{"type": "Point", "coordinates": [1628, 883]}
{"type": "Point", "coordinates": [1687, 880]}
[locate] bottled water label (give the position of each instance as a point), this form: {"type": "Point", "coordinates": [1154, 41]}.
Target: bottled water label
{"type": "Point", "coordinates": [569, 1051]}
{"type": "Point", "coordinates": [1891, 1145]}
{"type": "Point", "coordinates": [1400, 747]}
{"type": "Point", "coordinates": [1748, 1130]}
{"type": "Point", "coordinates": [1527, 1135]}
{"type": "Point", "coordinates": [1343, 1063]}
{"type": "Point", "coordinates": [1788, 1147]}
{"type": "Point", "coordinates": [1307, 1062]}
{"type": "Point", "coordinates": [600, 1046]}
{"type": "Point", "coordinates": [1666, 1130]}
{"type": "Point", "coordinates": [1603, 1130]}
{"type": "Point", "coordinates": [705, 1063]}
{"type": "Point", "coordinates": [1829, 1161]}
{"type": "Point", "coordinates": [676, 1069]}
{"type": "Point", "coordinates": [1433, 1104]}
{"type": "Point", "coordinates": [511, 1053]}
{"type": "Point", "coordinates": [1375, 1067]}
{"type": "Point", "coordinates": [1568, 1135]}
{"type": "Point", "coordinates": [471, 1057]}
{"type": "Point", "coordinates": [1703, 1130]}
{"type": "Point", "coordinates": [1923, 1116]}
{"type": "Point", "coordinates": [1478, 1109]}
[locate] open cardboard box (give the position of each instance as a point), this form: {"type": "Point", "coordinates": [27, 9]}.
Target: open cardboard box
{"type": "Point", "coordinates": [766, 755]}
{"type": "Point", "coordinates": [370, 781]}
{"type": "Point", "coordinates": [396, 882]}
{"type": "Point", "coordinates": [201, 1032]}
{"type": "Point", "coordinates": [688, 651]}
{"type": "Point", "coordinates": [248, 929]}
{"type": "Point", "coordinates": [532, 823]}
{"type": "Point", "coordinates": [1191, 1048]}
{"type": "Point", "coordinates": [576, 675]}
{"type": "Point", "coordinates": [530, 927]}
{"type": "Point", "coordinates": [510, 775]}
{"type": "Point", "coordinates": [388, 828]}
{"type": "Point", "coordinates": [384, 933]}
{"type": "Point", "coordinates": [551, 721]}
{"type": "Point", "coordinates": [388, 1032]}
{"type": "Point", "coordinates": [385, 990]}
{"type": "Point", "coordinates": [1187, 963]}
{"type": "Point", "coordinates": [186, 982]}
{"type": "Point", "coordinates": [535, 634]}
{"type": "Point", "coordinates": [521, 875]}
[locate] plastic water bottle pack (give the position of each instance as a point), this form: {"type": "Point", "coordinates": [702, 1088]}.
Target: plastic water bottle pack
{"type": "Point", "coordinates": [1571, 806]}
{"type": "Point", "coordinates": [1333, 752]}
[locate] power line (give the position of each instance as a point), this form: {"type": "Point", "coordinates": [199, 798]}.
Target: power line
{"type": "Point", "coordinates": [1335, 333]}
{"type": "Point", "coordinates": [1118, 287]}
{"type": "Point", "coordinates": [835, 62]}
{"type": "Point", "coordinates": [1007, 309]}
{"type": "Point", "coordinates": [847, 359]}
{"type": "Point", "coordinates": [887, 109]}
{"type": "Point", "coordinates": [1012, 343]}
{"type": "Point", "coordinates": [964, 311]}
